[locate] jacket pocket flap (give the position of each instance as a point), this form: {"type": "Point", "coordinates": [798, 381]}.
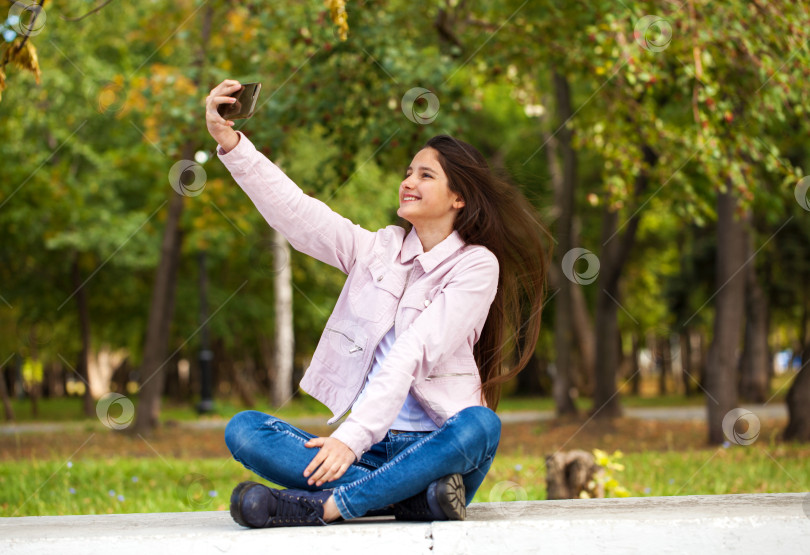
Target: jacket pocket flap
{"type": "Point", "coordinates": [385, 278]}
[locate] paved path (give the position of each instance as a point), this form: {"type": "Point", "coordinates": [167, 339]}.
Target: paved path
{"type": "Point", "coordinates": [512, 417]}
{"type": "Point", "coordinates": [756, 524]}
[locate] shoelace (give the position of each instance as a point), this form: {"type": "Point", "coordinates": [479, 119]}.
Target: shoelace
{"type": "Point", "coordinates": [296, 509]}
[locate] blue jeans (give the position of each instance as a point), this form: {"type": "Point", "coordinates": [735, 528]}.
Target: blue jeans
{"type": "Point", "coordinates": [398, 467]}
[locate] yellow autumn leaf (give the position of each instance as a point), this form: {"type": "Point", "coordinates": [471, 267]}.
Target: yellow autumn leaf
{"type": "Point", "coordinates": [24, 57]}
{"type": "Point", "coordinates": [621, 491]}
{"type": "Point", "coordinates": [337, 9]}
{"type": "Point", "coordinates": [236, 19]}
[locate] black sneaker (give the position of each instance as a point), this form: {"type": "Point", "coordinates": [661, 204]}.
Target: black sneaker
{"type": "Point", "coordinates": [444, 499]}
{"type": "Point", "coordinates": [255, 505]}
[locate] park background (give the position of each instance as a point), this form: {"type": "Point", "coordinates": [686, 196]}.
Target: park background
{"type": "Point", "coordinates": [664, 145]}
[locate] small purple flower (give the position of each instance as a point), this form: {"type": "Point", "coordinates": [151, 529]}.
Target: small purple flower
{"type": "Point", "coordinates": [672, 481]}
{"type": "Point", "coordinates": [134, 479]}
{"type": "Point", "coordinates": [647, 490]}
{"type": "Point", "coordinates": [69, 464]}
{"type": "Point", "coordinates": [111, 493]}
{"type": "Point", "coordinates": [72, 491]}
{"type": "Point", "coordinates": [120, 497]}
{"type": "Point", "coordinates": [726, 445]}
{"type": "Point", "coordinates": [212, 493]}
{"type": "Point", "coordinates": [518, 467]}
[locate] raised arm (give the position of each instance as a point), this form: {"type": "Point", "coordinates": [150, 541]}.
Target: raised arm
{"type": "Point", "coordinates": [308, 224]}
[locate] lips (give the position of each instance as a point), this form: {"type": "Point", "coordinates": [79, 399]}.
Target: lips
{"type": "Point", "coordinates": [409, 198]}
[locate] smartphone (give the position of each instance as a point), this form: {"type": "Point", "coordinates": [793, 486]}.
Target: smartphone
{"type": "Point", "coordinates": [246, 98]}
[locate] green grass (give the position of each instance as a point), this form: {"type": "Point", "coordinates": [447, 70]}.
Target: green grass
{"type": "Point", "coordinates": [732, 470]}
{"type": "Point", "coordinates": [133, 485]}
{"type": "Point", "coordinates": [70, 409]}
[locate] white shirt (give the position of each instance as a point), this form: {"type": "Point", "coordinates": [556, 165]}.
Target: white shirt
{"type": "Point", "coordinates": [412, 417]}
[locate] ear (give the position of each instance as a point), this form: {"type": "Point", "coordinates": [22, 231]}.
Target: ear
{"type": "Point", "coordinates": [458, 204]}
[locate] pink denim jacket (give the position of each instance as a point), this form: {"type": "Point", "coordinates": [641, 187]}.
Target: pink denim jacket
{"type": "Point", "coordinates": [438, 302]}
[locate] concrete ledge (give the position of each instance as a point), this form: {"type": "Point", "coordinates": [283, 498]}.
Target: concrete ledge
{"type": "Point", "coordinates": [761, 523]}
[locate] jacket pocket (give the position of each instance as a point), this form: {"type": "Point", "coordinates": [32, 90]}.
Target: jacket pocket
{"type": "Point", "coordinates": [454, 368]}
{"type": "Point", "coordinates": [342, 343]}
{"type": "Point", "coordinates": [347, 342]}
{"type": "Point", "coordinates": [374, 291]}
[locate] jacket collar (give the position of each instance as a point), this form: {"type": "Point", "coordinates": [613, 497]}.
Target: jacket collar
{"type": "Point", "coordinates": [412, 248]}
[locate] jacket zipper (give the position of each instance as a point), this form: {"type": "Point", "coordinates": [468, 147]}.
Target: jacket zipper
{"type": "Point", "coordinates": [448, 375]}
{"type": "Point", "coordinates": [355, 348]}
{"type": "Point", "coordinates": [371, 362]}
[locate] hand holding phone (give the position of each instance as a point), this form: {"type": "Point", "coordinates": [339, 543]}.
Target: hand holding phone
{"type": "Point", "coordinates": [246, 98]}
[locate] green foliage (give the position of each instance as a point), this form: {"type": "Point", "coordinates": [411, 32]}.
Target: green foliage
{"type": "Point", "coordinates": [88, 150]}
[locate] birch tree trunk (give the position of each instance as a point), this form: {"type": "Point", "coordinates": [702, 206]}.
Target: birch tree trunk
{"type": "Point", "coordinates": [281, 374]}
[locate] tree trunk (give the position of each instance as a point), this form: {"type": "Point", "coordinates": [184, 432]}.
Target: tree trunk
{"type": "Point", "coordinates": [686, 361]}
{"type": "Point", "coordinates": [635, 375]}
{"type": "Point", "coordinates": [530, 379]}
{"type": "Point", "coordinates": [101, 365]}
{"type": "Point", "coordinates": [565, 181]}
{"type": "Point", "coordinates": [699, 373]}
{"type": "Point", "coordinates": [284, 352]}
{"type": "Point", "coordinates": [615, 251]}
{"type": "Point", "coordinates": [663, 355]}
{"type": "Point", "coordinates": [7, 408]}
{"type": "Point", "coordinates": [584, 336]}
{"type": "Point", "coordinates": [606, 397]}
{"type": "Point", "coordinates": [570, 473]}
{"type": "Point", "coordinates": [161, 309]}
{"type": "Point", "coordinates": [798, 397]}
{"type": "Point", "coordinates": [755, 361]}
{"type": "Point", "coordinates": [88, 405]}
{"type": "Point", "coordinates": [721, 371]}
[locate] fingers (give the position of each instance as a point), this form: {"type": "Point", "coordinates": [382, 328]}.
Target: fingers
{"type": "Point", "coordinates": [330, 463]}
{"type": "Point", "coordinates": [228, 86]}
{"type": "Point", "coordinates": [315, 442]}
{"type": "Point", "coordinates": [328, 471]}
{"type": "Point", "coordinates": [316, 466]}
{"type": "Point", "coordinates": [220, 95]}
{"type": "Point", "coordinates": [212, 103]}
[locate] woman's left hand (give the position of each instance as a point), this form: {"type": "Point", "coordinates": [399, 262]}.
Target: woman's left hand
{"type": "Point", "coordinates": [333, 459]}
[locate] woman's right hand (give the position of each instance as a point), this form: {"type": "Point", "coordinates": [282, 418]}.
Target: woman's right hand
{"type": "Point", "coordinates": [219, 127]}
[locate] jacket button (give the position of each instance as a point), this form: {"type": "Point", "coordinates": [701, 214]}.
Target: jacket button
{"type": "Point", "coordinates": [379, 277]}
{"type": "Point", "coordinates": [427, 303]}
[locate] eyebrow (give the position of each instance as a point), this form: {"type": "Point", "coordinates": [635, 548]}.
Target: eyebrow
{"type": "Point", "coordinates": [422, 168]}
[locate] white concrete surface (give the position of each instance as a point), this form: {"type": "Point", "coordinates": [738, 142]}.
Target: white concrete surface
{"type": "Point", "coordinates": [761, 523]}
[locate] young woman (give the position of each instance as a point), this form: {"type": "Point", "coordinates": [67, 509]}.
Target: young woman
{"type": "Point", "coordinates": [415, 347]}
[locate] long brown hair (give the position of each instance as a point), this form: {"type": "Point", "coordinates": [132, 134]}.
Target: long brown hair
{"type": "Point", "coordinates": [498, 216]}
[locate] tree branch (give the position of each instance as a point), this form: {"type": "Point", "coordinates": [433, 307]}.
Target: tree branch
{"type": "Point", "coordinates": [33, 20]}
{"type": "Point", "coordinates": [94, 10]}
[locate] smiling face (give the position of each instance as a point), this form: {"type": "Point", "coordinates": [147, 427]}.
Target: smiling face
{"type": "Point", "coordinates": [425, 199]}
